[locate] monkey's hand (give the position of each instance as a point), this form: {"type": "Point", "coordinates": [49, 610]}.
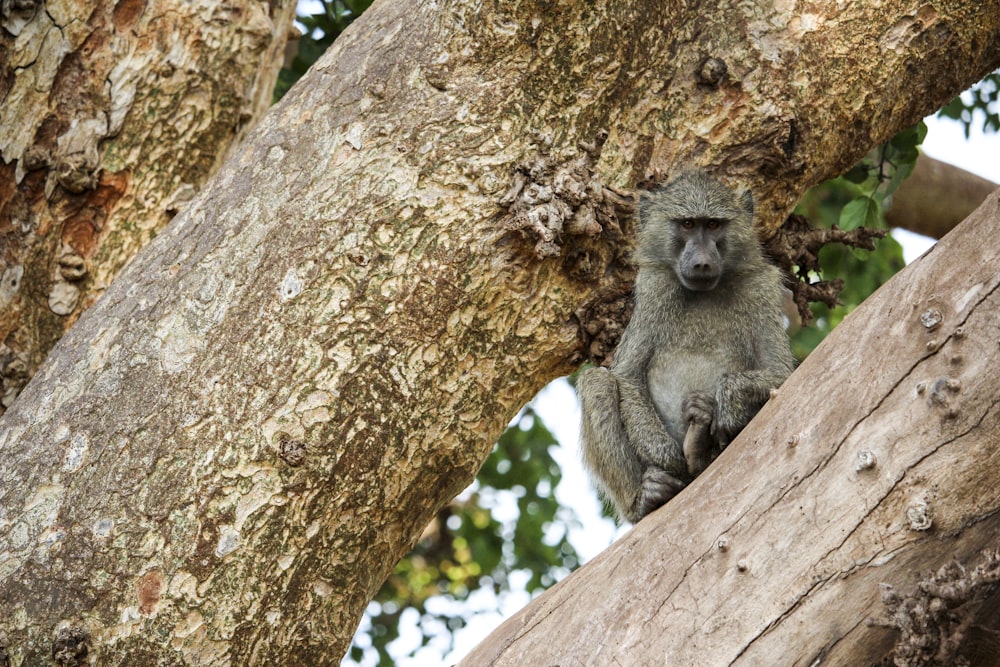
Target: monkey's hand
{"type": "Point", "coordinates": [698, 407]}
{"type": "Point", "coordinates": [738, 398]}
{"type": "Point", "coordinates": [658, 487]}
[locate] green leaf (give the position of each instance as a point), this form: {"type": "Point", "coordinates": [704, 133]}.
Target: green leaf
{"type": "Point", "coordinates": [862, 212]}
{"type": "Point", "coordinates": [859, 173]}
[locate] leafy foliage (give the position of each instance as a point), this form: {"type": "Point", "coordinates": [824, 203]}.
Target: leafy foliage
{"type": "Point", "coordinates": [858, 198]}
{"type": "Point", "coordinates": [980, 99]}
{"type": "Point", "coordinates": [872, 182]}
{"type": "Point", "coordinates": [506, 533]}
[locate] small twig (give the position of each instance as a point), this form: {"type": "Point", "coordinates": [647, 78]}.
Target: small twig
{"type": "Point", "coordinates": [795, 249]}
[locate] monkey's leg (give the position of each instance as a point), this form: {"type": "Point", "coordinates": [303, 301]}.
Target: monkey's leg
{"type": "Point", "coordinates": [665, 472]}
{"type": "Point", "coordinates": [607, 453]}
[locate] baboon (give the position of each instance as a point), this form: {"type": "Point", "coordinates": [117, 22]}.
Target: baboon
{"type": "Point", "coordinates": [704, 348]}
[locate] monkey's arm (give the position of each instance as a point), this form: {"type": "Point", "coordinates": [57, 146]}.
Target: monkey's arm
{"type": "Point", "coordinates": [739, 396]}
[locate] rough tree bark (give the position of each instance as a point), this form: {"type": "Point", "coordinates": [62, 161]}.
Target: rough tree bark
{"type": "Point", "coordinates": [223, 459]}
{"type": "Point", "coordinates": [112, 115]}
{"type": "Point", "coordinates": [876, 464]}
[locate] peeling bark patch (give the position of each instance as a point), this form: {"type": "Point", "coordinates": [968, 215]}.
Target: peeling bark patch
{"type": "Point", "coordinates": [70, 647]}
{"type": "Point", "coordinates": [291, 285]}
{"type": "Point", "coordinates": [180, 345]}
{"type": "Point", "coordinates": [934, 621]}
{"type": "Point", "coordinates": [10, 283]}
{"type": "Point", "coordinates": [76, 453]}
{"type": "Point", "coordinates": [902, 33]}
{"type": "Point", "coordinates": [229, 541]}
{"type": "Point", "coordinates": [148, 590]}
{"type": "Point", "coordinates": [127, 12]}
{"type": "Point", "coordinates": [63, 298]}
{"type": "Point", "coordinates": [102, 528]}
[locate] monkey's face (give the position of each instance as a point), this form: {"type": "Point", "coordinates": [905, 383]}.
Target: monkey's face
{"type": "Point", "coordinates": [699, 245]}
{"type": "Point", "coordinates": [698, 228]}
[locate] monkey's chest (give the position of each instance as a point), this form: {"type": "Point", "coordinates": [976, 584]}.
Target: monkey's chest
{"type": "Point", "coordinates": [671, 377]}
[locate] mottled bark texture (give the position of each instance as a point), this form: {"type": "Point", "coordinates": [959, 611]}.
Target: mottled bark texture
{"type": "Point", "coordinates": [112, 116]}
{"type": "Point", "coordinates": [867, 528]}
{"type": "Point", "coordinates": [223, 459]}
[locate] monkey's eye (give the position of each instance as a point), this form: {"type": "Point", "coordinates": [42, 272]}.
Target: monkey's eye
{"type": "Point", "coordinates": [713, 224]}
{"type": "Point", "coordinates": [686, 224]}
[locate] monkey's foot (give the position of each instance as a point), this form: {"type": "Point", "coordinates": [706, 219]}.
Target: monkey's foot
{"type": "Point", "coordinates": [658, 487]}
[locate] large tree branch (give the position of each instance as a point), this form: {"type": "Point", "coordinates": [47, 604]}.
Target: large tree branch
{"type": "Point", "coordinates": [876, 464]}
{"type": "Point", "coordinates": [936, 197]}
{"type": "Point", "coordinates": [112, 116]}
{"type": "Point", "coordinates": [223, 459]}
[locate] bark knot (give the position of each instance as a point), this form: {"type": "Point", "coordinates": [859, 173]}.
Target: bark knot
{"type": "Point", "coordinates": [552, 197]}
{"type": "Point", "coordinates": [935, 620]}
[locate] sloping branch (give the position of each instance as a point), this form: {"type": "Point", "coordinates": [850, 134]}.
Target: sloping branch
{"type": "Point", "coordinates": [936, 197]}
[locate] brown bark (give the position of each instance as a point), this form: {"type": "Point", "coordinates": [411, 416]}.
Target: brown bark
{"type": "Point", "coordinates": [224, 458]}
{"type": "Point", "coordinates": [875, 464]}
{"type": "Point", "coordinates": [112, 116]}
{"type": "Point", "coordinates": [936, 197]}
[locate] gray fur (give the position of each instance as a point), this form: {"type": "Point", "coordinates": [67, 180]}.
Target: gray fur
{"type": "Point", "coordinates": [701, 353]}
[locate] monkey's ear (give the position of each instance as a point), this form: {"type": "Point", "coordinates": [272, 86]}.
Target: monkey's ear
{"type": "Point", "coordinates": [643, 209]}
{"type": "Point", "coordinates": [746, 200]}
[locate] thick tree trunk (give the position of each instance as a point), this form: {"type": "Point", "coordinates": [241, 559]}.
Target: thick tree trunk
{"type": "Point", "coordinates": [936, 197]}
{"type": "Point", "coordinates": [224, 458]}
{"type": "Point", "coordinates": [112, 116]}
{"type": "Point", "coordinates": [876, 464]}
